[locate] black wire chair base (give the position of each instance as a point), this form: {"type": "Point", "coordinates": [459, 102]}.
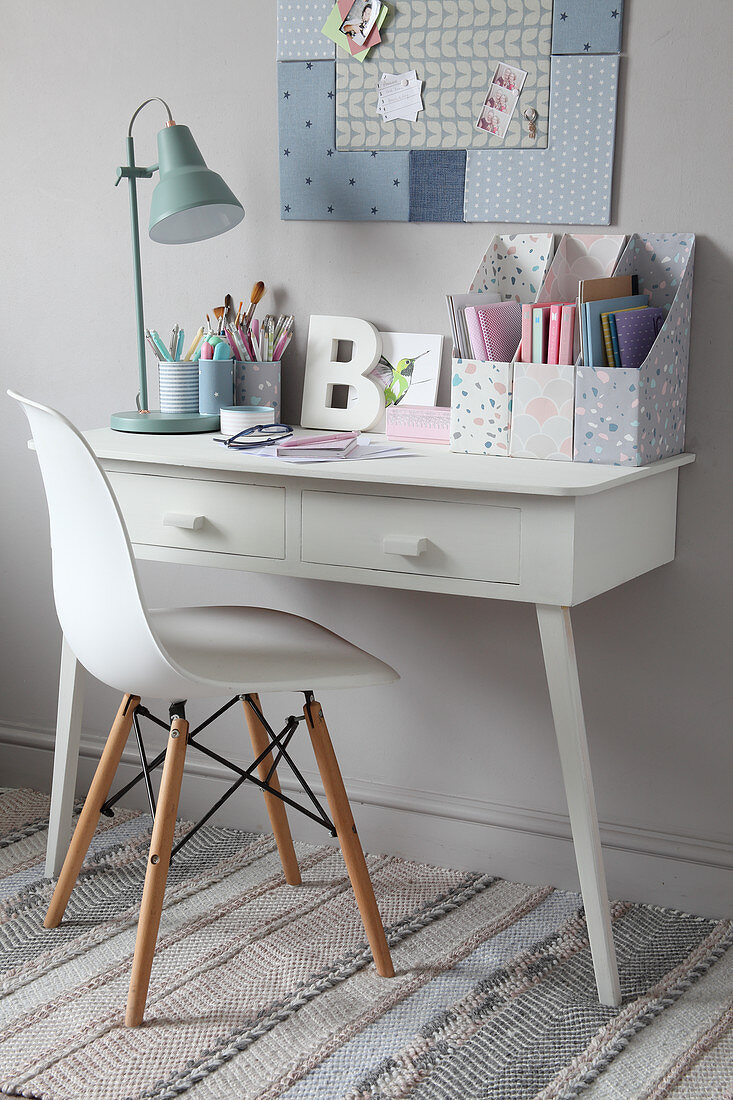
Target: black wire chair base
{"type": "Point", "coordinates": [277, 749]}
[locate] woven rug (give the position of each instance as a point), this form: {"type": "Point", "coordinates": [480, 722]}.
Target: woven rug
{"type": "Point", "coordinates": [260, 990]}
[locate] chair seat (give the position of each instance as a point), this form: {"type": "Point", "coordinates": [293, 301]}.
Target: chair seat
{"type": "Point", "coordinates": [256, 649]}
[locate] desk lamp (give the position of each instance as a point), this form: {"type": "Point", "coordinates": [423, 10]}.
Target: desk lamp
{"type": "Point", "coordinates": [190, 203]}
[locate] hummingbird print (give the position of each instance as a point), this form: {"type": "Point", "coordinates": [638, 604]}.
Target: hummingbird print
{"type": "Point", "coordinates": [396, 380]}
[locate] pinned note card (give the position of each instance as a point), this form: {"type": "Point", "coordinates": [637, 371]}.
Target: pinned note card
{"type": "Point", "coordinates": [400, 96]}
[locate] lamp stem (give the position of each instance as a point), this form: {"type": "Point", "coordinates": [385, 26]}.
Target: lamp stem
{"type": "Point", "coordinates": [137, 274]}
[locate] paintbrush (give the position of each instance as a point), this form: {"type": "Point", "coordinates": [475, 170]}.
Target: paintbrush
{"type": "Point", "coordinates": [256, 296]}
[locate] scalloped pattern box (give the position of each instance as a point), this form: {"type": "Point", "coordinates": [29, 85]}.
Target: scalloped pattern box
{"type": "Point", "coordinates": [544, 403]}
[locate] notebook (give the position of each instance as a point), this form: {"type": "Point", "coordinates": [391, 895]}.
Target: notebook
{"type": "Point", "coordinates": [567, 335]}
{"type": "Point", "coordinates": [636, 332]}
{"type": "Point", "coordinates": [594, 290]}
{"type": "Point", "coordinates": [456, 311]}
{"type": "Point", "coordinates": [501, 326]}
{"type": "Point", "coordinates": [596, 350]}
{"type": "Point", "coordinates": [475, 335]}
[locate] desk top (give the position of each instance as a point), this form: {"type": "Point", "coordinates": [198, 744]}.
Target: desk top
{"type": "Point", "coordinates": [429, 465]}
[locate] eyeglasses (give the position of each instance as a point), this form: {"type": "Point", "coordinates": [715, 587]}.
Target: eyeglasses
{"type": "Point", "coordinates": [261, 435]}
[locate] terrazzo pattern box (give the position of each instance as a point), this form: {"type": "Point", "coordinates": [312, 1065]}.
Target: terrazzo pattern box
{"type": "Point", "coordinates": [631, 417]}
{"type": "Point", "coordinates": [481, 407]}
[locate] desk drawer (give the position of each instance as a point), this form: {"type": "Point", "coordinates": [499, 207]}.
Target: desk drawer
{"type": "Point", "coordinates": [429, 537]}
{"type": "Point", "coordinates": [217, 516]}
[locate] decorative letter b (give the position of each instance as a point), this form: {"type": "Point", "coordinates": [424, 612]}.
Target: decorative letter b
{"type": "Point", "coordinates": [323, 372]}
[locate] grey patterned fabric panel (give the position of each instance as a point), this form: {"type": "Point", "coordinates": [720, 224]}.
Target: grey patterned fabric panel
{"type": "Point", "coordinates": [454, 47]}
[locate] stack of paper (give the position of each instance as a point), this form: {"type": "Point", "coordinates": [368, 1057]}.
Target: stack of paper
{"type": "Point", "coordinates": [400, 96]}
{"type": "Point", "coordinates": [457, 304]}
{"type": "Point", "coordinates": [317, 449]}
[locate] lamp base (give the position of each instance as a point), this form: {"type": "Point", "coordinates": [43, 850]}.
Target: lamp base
{"type": "Point", "coordinates": [158, 423]}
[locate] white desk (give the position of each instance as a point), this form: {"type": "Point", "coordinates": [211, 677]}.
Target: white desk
{"type": "Point", "coordinates": [549, 533]}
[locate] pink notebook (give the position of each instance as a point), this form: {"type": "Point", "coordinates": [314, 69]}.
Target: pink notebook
{"type": "Point", "coordinates": [525, 354]}
{"type": "Point", "coordinates": [553, 334]}
{"type": "Point", "coordinates": [567, 335]}
{"type": "Point", "coordinates": [475, 334]}
{"type": "Point", "coordinates": [501, 325]}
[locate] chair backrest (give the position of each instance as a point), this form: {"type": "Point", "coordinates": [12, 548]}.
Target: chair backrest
{"type": "Point", "coordinates": [95, 583]}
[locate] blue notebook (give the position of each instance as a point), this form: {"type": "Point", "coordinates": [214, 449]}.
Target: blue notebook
{"type": "Point", "coordinates": [596, 355]}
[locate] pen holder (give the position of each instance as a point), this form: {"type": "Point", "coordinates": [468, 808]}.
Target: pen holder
{"type": "Point", "coordinates": [216, 385]}
{"type": "Point", "coordinates": [258, 384]}
{"type": "Point", "coordinates": [179, 387]}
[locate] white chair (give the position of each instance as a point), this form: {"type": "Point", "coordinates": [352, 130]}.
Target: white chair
{"type": "Point", "coordinates": [178, 654]}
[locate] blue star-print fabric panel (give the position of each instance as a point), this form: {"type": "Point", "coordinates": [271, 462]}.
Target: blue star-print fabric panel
{"type": "Point", "coordinates": [569, 182]}
{"type": "Point", "coordinates": [587, 26]}
{"type": "Point", "coordinates": [299, 24]}
{"type": "Point", "coordinates": [437, 182]}
{"type": "Point", "coordinates": [317, 183]}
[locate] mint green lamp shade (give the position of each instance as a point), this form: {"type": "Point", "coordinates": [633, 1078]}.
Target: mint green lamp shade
{"type": "Point", "coordinates": [190, 202]}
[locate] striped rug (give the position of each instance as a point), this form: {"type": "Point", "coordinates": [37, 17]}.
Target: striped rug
{"type": "Point", "coordinates": [260, 990]}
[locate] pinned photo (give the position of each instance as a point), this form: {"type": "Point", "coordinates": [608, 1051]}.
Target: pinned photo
{"type": "Point", "coordinates": [360, 21]}
{"type": "Point", "coordinates": [509, 78]}
{"type": "Point", "coordinates": [499, 100]}
{"type": "Point", "coordinates": [493, 121]}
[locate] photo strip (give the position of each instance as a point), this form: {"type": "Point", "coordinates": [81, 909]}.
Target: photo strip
{"type": "Point", "coordinates": [501, 99]}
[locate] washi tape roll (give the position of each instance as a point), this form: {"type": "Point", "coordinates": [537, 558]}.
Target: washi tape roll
{"type": "Point", "coordinates": [236, 418]}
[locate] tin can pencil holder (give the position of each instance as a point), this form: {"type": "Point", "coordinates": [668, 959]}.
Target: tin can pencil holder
{"type": "Point", "coordinates": [258, 384]}
{"type": "Point", "coordinates": [216, 385]}
{"type": "Point", "coordinates": [179, 387]}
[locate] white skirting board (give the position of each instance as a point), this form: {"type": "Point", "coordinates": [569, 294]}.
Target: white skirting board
{"type": "Point", "coordinates": [688, 873]}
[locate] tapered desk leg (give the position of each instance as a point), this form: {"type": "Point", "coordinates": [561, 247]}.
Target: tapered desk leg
{"type": "Point", "coordinates": [65, 759]}
{"type": "Point", "coordinates": [561, 667]}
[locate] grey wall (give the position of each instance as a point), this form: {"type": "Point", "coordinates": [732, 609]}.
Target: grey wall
{"type": "Point", "coordinates": [456, 763]}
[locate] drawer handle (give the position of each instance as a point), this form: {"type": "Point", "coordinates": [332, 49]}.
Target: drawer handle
{"type": "Point", "coordinates": [407, 546]}
{"type": "Point", "coordinates": [180, 519]}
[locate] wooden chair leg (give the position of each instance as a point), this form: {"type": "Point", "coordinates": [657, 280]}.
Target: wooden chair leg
{"type": "Point", "coordinates": [89, 816]}
{"type": "Point", "coordinates": [275, 808]}
{"type": "Point", "coordinates": [348, 837]}
{"type": "Point", "coordinates": [161, 843]}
